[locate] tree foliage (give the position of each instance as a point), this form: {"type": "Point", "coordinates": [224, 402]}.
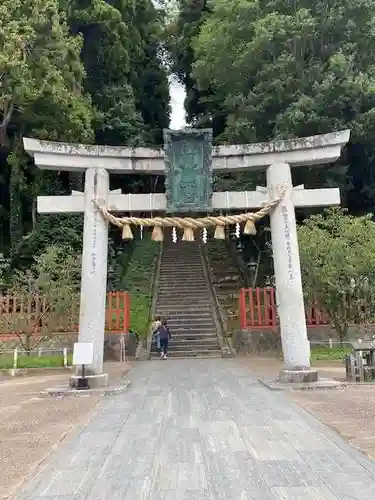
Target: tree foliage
{"type": "Point", "coordinates": [337, 254]}
{"type": "Point", "coordinates": [266, 69]}
{"type": "Point", "coordinates": [77, 71]}
{"type": "Point", "coordinates": [42, 298]}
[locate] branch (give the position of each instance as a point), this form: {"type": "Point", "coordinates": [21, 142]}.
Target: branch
{"type": "Point", "coordinates": [8, 112]}
{"type": "Point", "coordinates": [33, 216]}
{"type": "Point", "coordinates": [40, 317]}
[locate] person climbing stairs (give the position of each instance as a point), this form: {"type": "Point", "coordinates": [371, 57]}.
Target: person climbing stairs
{"type": "Point", "coordinates": [184, 299]}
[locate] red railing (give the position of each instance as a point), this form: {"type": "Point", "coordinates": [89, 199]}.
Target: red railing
{"type": "Point", "coordinates": [118, 312]}
{"type": "Point", "coordinates": [258, 310]}
{"type": "Point", "coordinates": [29, 313]}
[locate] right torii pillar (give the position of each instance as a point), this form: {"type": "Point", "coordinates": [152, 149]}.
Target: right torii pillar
{"type": "Point", "coordinates": [289, 292]}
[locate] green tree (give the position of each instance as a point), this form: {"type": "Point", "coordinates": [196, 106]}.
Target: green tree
{"type": "Point", "coordinates": [106, 58]}
{"type": "Point", "coordinates": [147, 69]}
{"type": "Point", "coordinates": [40, 95]}
{"type": "Point", "coordinates": [277, 69]}
{"type": "Point", "coordinates": [44, 298]}
{"type": "Point", "coordinates": [180, 33]}
{"type": "Point", "coordinates": [337, 254]}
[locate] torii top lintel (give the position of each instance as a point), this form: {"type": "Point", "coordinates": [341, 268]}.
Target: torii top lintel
{"type": "Point", "coordinates": [313, 150]}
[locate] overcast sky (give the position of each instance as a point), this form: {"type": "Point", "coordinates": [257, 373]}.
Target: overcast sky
{"type": "Point", "coordinates": [177, 93]}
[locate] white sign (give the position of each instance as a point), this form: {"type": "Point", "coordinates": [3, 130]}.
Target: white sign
{"type": "Point", "coordinates": [83, 353]}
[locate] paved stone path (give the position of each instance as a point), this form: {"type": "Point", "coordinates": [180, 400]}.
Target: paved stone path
{"type": "Point", "coordinates": [202, 430]}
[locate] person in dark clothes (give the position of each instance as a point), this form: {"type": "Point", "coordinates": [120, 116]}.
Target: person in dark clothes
{"type": "Point", "coordinates": [164, 336]}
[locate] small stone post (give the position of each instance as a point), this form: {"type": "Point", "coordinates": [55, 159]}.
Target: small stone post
{"type": "Point", "coordinates": [291, 309]}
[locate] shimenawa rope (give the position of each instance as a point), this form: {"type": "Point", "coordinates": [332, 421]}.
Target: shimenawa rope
{"type": "Point", "coordinates": [190, 224]}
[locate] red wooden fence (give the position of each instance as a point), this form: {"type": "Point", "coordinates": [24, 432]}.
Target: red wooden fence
{"type": "Point", "coordinates": [258, 310]}
{"type": "Point", "coordinates": [31, 308]}
{"type": "Point", "coordinates": [118, 312]}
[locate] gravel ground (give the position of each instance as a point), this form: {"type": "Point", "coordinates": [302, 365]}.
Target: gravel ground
{"type": "Point", "coordinates": [32, 426]}
{"type": "Point", "coordinates": [349, 410]}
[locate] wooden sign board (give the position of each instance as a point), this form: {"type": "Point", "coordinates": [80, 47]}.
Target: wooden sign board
{"type": "Point", "coordinates": [83, 353]}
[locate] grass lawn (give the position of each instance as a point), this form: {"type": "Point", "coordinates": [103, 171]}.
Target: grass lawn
{"type": "Point", "coordinates": [52, 361]}
{"type": "Point", "coordinates": [327, 354]}
{"type": "Point", "coordinates": [138, 281]}
{"type": "Point", "coordinates": [141, 308]}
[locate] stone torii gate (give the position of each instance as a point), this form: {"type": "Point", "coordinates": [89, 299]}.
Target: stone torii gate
{"type": "Point", "coordinates": [277, 157]}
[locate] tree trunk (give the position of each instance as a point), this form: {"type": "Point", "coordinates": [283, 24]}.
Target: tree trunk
{"type": "Point", "coordinates": [76, 181]}
{"type": "Point", "coordinates": [15, 216]}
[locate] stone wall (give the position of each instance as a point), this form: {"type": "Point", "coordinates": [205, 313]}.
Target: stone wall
{"type": "Point", "coordinates": [263, 341]}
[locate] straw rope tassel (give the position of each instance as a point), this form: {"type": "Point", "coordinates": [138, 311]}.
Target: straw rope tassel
{"type": "Point", "coordinates": [188, 224]}
{"type": "Point", "coordinates": [127, 233]}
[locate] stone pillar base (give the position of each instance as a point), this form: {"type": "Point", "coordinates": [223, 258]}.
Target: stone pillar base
{"type": "Point", "coordinates": [95, 381]}
{"type": "Point", "coordinates": [298, 376]}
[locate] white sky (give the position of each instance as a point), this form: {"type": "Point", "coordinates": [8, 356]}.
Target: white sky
{"type": "Point", "coordinates": [177, 93]}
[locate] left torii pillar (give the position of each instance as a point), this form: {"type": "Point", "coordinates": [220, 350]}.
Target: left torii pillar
{"type": "Point", "coordinates": [94, 271]}
{"type": "Point", "coordinates": [94, 263]}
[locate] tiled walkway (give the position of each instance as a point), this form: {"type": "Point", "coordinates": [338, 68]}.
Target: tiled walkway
{"type": "Point", "coordinates": [202, 430]}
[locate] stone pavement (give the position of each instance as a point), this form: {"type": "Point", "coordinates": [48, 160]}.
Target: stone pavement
{"type": "Point", "coordinates": [203, 430]}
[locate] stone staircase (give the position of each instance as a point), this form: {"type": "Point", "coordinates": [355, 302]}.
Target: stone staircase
{"type": "Point", "coordinates": [184, 300]}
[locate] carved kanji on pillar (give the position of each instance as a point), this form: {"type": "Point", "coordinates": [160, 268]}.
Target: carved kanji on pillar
{"type": "Point", "coordinates": [188, 169]}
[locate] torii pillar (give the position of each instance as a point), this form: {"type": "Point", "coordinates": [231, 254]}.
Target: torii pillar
{"type": "Point", "coordinates": [289, 291]}
{"type": "Point", "coordinates": [94, 271]}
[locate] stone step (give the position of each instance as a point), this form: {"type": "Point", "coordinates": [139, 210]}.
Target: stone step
{"type": "Point", "coordinates": [179, 340]}
{"type": "Point", "coordinates": [180, 305]}
{"type": "Point", "coordinates": [193, 346]}
{"type": "Point", "coordinates": [186, 276]}
{"type": "Point", "coordinates": [172, 299]}
{"type": "Point", "coordinates": [181, 300]}
{"type": "Point", "coordinates": [199, 275]}
{"type": "Point", "coordinates": [194, 331]}
{"type": "Point", "coordinates": [177, 282]}
{"type": "Point", "coordinates": [194, 249]}
{"type": "Point", "coordinates": [194, 252]}
{"type": "Point", "coordinates": [189, 275]}
{"type": "Point", "coordinates": [193, 320]}
{"type": "Point", "coordinates": [175, 322]}
{"type": "Point", "coordinates": [189, 314]}
{"type": "Point", "coordinates": [187, 329]}
{"type": "Point", "coordinates": [187, 348]}
{"type": "Point", "coordinates": [196, 344]}
{"type": "Point", "coordinates": [182, 285]}
{"type": "Point", "coordinates": [192, 340]}
{"type": "Point", "coordinates": [187, 304]}
{"type": "Point", "coordinates": [205, 331]}
{"type": "Point", "coordinates": [182, 292]}
{"type": "Point", "coordinates": [166, 289]}
{"type": "Point", "coordinates": [189, 308]}
{"type": "Point", "coordinates": [181, 267]}
{"type": "Point", "coordinates": [195, 339]}
{"type": "Point", "coordinates": [179, 263]}
{"type": "Point", "coordinates": [191, 354]}
{"type": "Point", "coordinates": [181, 259]}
